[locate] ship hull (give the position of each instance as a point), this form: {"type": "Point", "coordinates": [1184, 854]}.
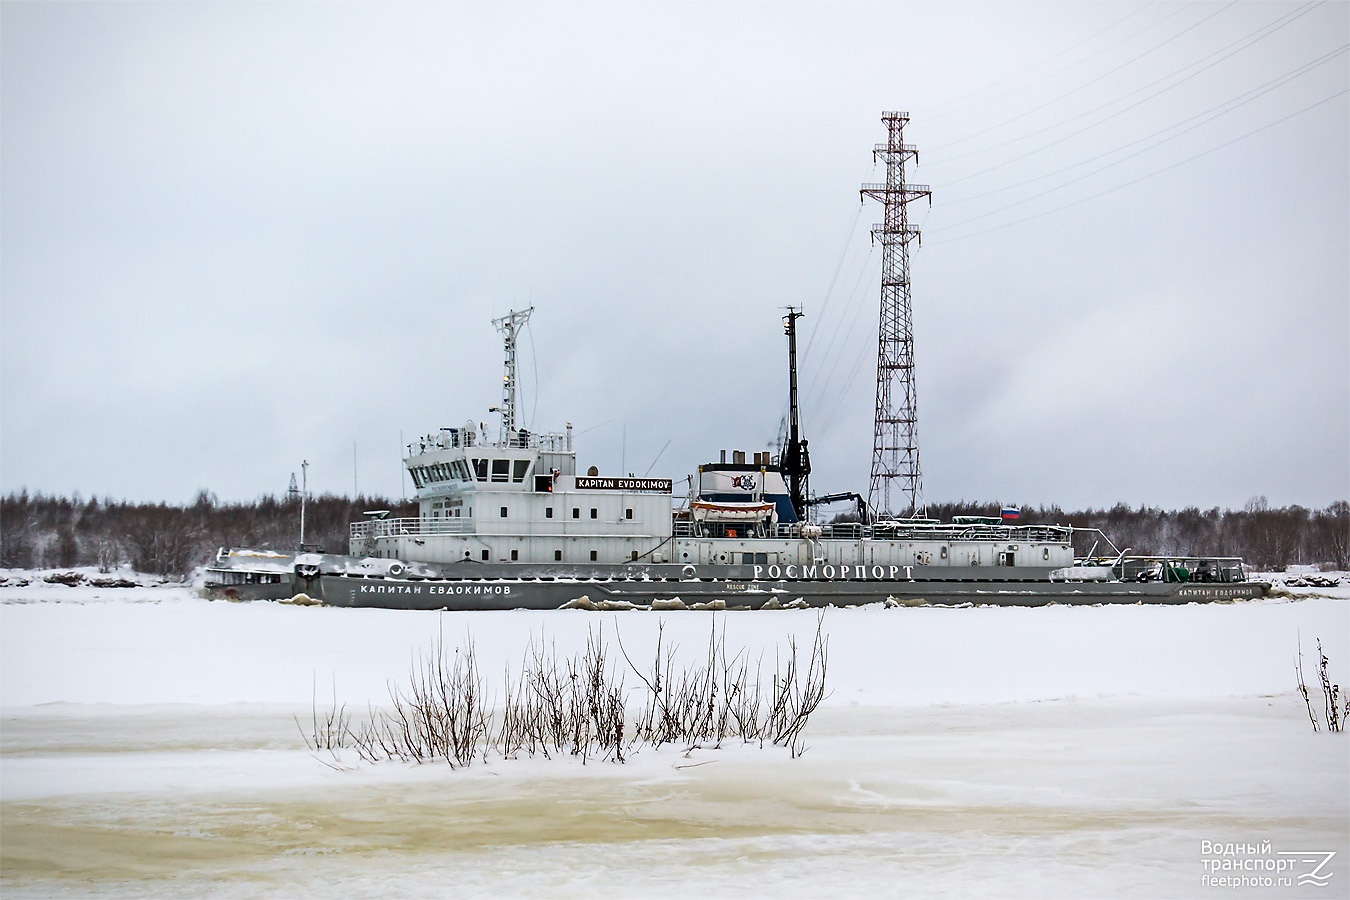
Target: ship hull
{"type": "Point", "coordinates": [733, 593]}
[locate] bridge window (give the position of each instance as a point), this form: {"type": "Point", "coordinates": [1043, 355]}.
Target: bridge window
{"type": "Point", "coordinates": [520, 468]}
{"type": "Point", "coordinates": [501, 470]}
{"type": "Point", "coordinates": [480, 467]}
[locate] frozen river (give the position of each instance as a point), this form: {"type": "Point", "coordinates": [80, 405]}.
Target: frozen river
{"type": "Point", "coordinates": [150, 748]}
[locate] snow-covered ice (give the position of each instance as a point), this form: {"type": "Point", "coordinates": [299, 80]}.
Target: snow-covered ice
{"type": "Point", "coordinates": [149, 747]}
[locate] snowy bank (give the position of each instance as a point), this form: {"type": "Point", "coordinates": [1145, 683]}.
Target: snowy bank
{"type": "Point", "coordinates": [150, 748]}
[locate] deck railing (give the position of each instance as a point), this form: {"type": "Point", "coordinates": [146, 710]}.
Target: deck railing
{"type": "Point", "coordinates": [412, 526]}
{"type": "Point", "coordinates": [844, 531]}
{"type": "Point", "coordinates": [453, 438]}
{"type": "Point", "coordinates": [903, 531]}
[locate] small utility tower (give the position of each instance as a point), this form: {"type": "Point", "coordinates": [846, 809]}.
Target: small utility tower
{"type": "Point", "coordinates": [509, 325]}
{"type": "Point", "coordinates": [895, 443]}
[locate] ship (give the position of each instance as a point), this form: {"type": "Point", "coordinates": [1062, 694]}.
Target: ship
{"type": "Point", "coordinates": [509, 521]}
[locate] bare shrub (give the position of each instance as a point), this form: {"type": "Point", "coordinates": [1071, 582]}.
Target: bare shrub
{"type": "Point", "coordinates": [330, 730]}
{"type": "Point", "coordinates": [1335, 709]}
{"type": "Point", "coordinates": [576, 706]}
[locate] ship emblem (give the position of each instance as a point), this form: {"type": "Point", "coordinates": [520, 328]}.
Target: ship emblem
{"type": "Point", "coordinates": [743, 482]}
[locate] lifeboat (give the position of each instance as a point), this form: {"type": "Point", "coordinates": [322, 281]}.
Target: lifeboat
{"type": "Point", "coordinates": [708, 511]}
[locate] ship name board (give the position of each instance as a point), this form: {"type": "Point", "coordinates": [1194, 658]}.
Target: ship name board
{"type": "Point", "coordinates": [656, 485]}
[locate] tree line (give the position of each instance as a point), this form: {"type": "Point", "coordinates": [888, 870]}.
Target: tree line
{"type": "Point", "coordinates": [1265, 538]}
{"type": "Point", "coordinates": [41, 532]}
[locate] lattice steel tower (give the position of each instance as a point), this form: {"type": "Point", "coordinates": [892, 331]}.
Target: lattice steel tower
{"type": "Point", "coordinates": [895, 444]}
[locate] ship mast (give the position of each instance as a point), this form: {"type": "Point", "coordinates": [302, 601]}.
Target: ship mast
{"type": "Point", "coordinates": [509, 325]}
{"type": "Point", "coordinates": [895, 444]}
{"type": "Point", "coordinates": [796, 460]}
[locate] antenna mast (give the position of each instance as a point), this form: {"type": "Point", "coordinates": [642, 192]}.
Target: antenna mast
{"type": "Point", "coordinates": [509, 325]}
{"type": "Point", "coordinates": [895, 445]}
{"type": "Point", "coordinates": [796, 461]}
{"type": "Point", "coordinates": [304, 495]}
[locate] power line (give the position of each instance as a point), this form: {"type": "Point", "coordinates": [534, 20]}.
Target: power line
{"type": "Point", "coordinates": [1086, 84]}
{"type": "Point", "coordinates": [1135, 181]}
{"type": "Point", "coordinates": [818, 387]}
{"type": "Point", "coordinates": [1219, 111]}
{"type": "Point", "coordinates": [844, 249]}
{"type": "Point", "coordinates": [1249, 39]}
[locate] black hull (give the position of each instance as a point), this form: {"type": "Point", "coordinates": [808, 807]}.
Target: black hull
{"type": "Point", "coordinates": [506, 593]}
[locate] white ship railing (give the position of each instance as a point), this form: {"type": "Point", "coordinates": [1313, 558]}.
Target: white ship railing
{"type": "Point", "coordinates": [412, 526]}
{"type": "Point", "coordinates": [905, 531]}
{"type": "Point", "coordinates": [454, 438]}
{"type": "Point", "coordinates": [843, 531]}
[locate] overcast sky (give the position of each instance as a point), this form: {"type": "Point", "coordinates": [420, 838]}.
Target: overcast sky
{"type": "Point", "coordinates": [237, 236]}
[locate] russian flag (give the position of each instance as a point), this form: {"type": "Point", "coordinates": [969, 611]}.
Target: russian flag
{"type": "Point", "coordinates": [1011, 514]}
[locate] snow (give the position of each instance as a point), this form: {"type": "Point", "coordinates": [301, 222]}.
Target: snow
{"type": "Point", "coordinates": [150, 747]}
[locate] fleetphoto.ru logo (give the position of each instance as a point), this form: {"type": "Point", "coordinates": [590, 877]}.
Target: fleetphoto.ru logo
{"type": "Point", "coordinates": [1235, 865]}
